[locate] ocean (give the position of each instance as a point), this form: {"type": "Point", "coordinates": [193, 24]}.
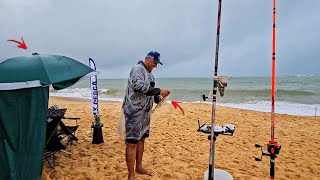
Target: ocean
{"type": "Point", "coordinates": [295, 95]}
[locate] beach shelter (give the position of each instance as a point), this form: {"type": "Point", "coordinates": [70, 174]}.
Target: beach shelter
{"type": "Point", "coordinates": [24, 94]}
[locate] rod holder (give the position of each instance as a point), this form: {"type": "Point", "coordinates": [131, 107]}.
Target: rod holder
{"type": "Point", "coordinates": [97, 131]}
{"type": "Point", "coordinates": [227, 129]}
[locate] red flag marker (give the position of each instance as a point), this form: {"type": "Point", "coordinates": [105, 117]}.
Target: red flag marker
{"type": "Point", "coordinates": [21, 45]}
{"type": "Point", "coordinates": [175, 105]}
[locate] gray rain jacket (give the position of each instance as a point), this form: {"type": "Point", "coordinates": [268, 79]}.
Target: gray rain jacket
{"type": "Point", "coordinates": [138, 101]}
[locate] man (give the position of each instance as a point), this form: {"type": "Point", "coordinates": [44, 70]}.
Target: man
{"type": "Point", "coordinates": [140, 95]}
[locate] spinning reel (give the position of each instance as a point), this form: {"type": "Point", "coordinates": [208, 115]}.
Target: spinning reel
{"type": "Point", "coordinates": [273, 149]}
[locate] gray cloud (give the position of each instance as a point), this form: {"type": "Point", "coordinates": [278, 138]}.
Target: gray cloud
{"type": "Point", "coordinates": [118, 33]}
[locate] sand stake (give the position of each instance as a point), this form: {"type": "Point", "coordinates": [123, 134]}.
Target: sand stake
{"type": "Point", "coordinates": [273, 147]}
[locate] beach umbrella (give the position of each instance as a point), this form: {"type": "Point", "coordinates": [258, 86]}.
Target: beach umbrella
{"type": "Point", "coordinates": [24, 96]}
{"type": "Point", "coordinates": [41, 70]}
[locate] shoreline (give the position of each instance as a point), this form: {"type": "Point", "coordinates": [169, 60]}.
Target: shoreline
{"type": "Point", "coordinates": [202, 102]}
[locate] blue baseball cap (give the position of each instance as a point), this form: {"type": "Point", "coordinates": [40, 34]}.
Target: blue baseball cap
{"type": "Point", "coordinates": [155, 56]}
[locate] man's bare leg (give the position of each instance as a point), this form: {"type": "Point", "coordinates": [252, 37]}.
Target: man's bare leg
{"type": "Point", "coordinates": [130, 159]}
{"type": "Point", "coordinates": [139, 168]}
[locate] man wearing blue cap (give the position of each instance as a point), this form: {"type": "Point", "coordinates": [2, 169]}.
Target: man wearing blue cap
{"type": "Point", "coordinates": [140, 95]}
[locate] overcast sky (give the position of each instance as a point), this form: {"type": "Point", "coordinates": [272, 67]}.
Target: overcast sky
{"type": "Point", "coordinates": [118, 33]}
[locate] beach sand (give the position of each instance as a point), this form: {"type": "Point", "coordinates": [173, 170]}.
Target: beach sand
{"type": "Point", "coordinates": [175, 150]}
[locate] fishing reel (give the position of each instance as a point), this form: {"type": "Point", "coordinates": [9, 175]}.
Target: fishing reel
{"type": "Point", "coordinates": [204, 97]}
{"type": "Point", "coordinates": [227, 129]}
{"type": "Point", "coordinates": [273, 149]}
{"type": "Point", "coordinates": [222, 83]}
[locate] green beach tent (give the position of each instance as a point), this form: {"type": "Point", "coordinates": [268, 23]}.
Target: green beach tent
{"type": "Point", "coordinates": [24, 94]}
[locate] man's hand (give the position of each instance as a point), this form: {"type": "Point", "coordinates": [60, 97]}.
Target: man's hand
{"type": "Point", "coordinates": [164, 92]}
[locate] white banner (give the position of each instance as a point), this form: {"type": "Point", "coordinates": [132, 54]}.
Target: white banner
{"type": "Point", "coordinates": [94, 90]}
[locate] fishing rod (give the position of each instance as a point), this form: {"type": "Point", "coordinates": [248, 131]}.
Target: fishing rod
{"type": "Point", "coordinates": [219, 83]}
{"type": "Point", "coordinates": [214, 98]}
{"type": "Point", "coordinates": [273, 147]}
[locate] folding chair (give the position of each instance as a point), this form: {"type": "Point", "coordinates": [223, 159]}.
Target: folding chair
{"type": "Point", "coordinates": [68, 130]}
{"type": "Point", "coordinates": [53, 144]}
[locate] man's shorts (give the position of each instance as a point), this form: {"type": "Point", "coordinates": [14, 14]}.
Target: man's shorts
{"type": "Point", "coordinates": [134, 141]}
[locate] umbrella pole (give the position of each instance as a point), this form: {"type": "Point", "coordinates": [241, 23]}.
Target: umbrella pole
{"type": "Point", "coordinates": [97, 131]}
